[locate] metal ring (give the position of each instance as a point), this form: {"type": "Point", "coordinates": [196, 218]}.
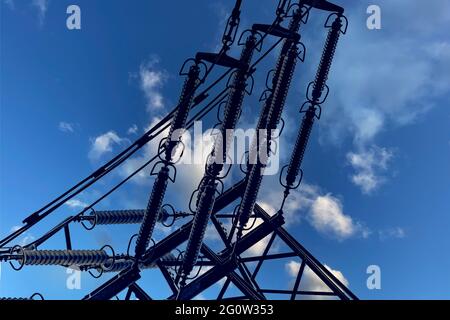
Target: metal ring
{"type": "Point", "coordinates": [129, 243]}
{"type": "Point", "coordinates": [93, 213]}
{"type": "Point", "coordinates": [192, 198]}
{"type": "Point", "coordinates": [21, 252]}
{"type": "Point", "coordinates": [100, 273]}
{"type": "Point", "coordinates": [103, 265]}
{"type": "Point", "coordinates": [168, 225]}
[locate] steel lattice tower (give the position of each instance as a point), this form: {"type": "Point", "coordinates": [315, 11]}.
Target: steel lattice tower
{"type": "Point", "coordinates": [181, 269]}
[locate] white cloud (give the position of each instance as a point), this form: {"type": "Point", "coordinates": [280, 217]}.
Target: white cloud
{"type": "Point", "coordinates": [369, 166]}
{"type": "Point", "coordinates": [391, 233]}
{"type": "Point", "coordinates": [382, 80]}
{"type": "Point", "coordinates": [133, 129]}
{"type": "Point", "coordinates": [104, 144]}
{"type": "Point", "coordinates": [327, 217]}
{"type": "Point", "coordinates": [310, 281]}
{"type": "Point", "coordinates": [42, 7]}
{"type": "Point", "coordinates": [387, 78]}
{"type": "Point", "coordinates": [76, 204]}
{"type": "Point", "coordinates": [324, 212]}
{"type": "Point", "coordinates": [66, 127]}
{"type": "Point", "coordinates": [151, 82]}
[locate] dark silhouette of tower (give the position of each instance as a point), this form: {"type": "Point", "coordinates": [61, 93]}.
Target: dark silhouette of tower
{"type": "Point", "coordinates": [195, 268]}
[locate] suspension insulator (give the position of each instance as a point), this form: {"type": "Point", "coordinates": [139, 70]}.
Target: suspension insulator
{"type": "Point", "coordinates": [254, 179]}
{"type": "Point", "coordinates": [106, 217]}
{"type": "Point", "coordinates": [300, 147]}
{"type": "Point", "coordinates": [239, 83]}
{"type": "Point", "coordinates": [182, 112]}
{"type": "Point", "coordinates": [152, 212]}
{"type": "Point", "coordinates": [261, 125]}
{"type": "Point", "coordinates": [198, 229]}
{"type": "Point", "coordinates": [281, 88]}
{"type": "Point", "coordinates": [118, 217]}
{"type": "Point", "coordinates": [233, 107]}
{"type": "Point", "coordinates": [65, 257]}
{"type": "Point", "coordinates": [159, 187]}
{"type": "Point", "coordinates": [327, 58]}
{"type": "Point", "coordinates": [294, 26]}
{"type": "Point", "coordinates": [250, 194]}
{"type": "Point", "coordinates": [288, 45]}
{"type": "Point", "coordinates": [319, 84]}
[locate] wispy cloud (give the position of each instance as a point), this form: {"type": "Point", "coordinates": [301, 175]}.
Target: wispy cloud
{"type": "Point", "coordinates": [42, 7]}
{"type": "Point", "coordinates": [132, 130]}
{"type": "Point", "coordinates": [387, 78]}
{"type": "Point", "coordinates": [369, 166]}
{"type": "Point", "coordinates": [392, 233]}
{"type": "Point", "coordinates": [76, 204]}
{"type": "Point", "coordinates": [104, 144]}
{"type": "Point", "coordinates": [151, 81]}
{"type": "Point", "coordinates": [66, 127]}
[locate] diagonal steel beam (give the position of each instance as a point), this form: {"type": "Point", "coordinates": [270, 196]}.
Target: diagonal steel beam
{"type": "Point", "coordinates": [323, 273]}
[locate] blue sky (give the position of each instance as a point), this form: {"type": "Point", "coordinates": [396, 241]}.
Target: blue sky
{"type": "Point", "coordinates": [376, 187]}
